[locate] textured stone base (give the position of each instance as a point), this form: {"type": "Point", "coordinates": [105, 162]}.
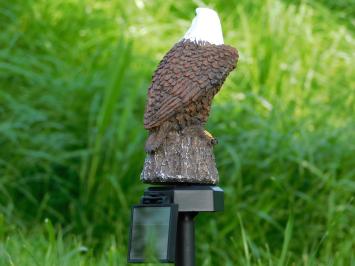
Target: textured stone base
{"type": "Point", "coordinates": [183, 157]}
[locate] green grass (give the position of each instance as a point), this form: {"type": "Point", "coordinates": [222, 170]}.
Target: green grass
{"type": "Point", "coordinates": [73, 82]}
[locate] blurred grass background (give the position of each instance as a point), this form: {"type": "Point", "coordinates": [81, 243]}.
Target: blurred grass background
{"type": "Point", "coordinates": [73, 82]}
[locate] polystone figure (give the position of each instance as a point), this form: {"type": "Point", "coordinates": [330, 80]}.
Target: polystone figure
{"type": "Point", "coordinates": [179, 149]}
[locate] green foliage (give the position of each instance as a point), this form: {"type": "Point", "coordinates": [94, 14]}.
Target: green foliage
{"type": "Point", "coordinates": [46, 249]}
{"type": "Point", "coordinates": [73, 82]}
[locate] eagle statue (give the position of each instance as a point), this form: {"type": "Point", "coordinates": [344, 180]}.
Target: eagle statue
{"type": "Point", "coordinates": [187, 79]}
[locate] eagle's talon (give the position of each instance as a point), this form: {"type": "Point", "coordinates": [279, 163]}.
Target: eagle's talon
{"type": "Point", "coordinates": [214, 141]}
{"type": "Point", "coordinates": [208, 136]}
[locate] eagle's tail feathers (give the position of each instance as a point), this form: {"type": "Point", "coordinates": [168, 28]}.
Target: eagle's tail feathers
{"type": "Point", "coordinates": [156, 138]}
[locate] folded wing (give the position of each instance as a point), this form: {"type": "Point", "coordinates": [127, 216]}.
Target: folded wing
{"type": "Point", "coordinates": [185, 74]}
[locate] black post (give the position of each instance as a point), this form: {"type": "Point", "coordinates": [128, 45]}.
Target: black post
{"type": "Point", "coordinates": [185, 242]}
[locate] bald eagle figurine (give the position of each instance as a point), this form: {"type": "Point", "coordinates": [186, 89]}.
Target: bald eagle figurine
{"type": "Point", "coordinates": [187, 79]}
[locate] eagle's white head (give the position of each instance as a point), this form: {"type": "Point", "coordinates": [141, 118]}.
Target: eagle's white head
{"type": "Point", "coordinates": [206, 26]}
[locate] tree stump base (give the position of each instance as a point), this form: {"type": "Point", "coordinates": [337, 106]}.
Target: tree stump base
{"type": "Point", "coordinates": [183, 157]}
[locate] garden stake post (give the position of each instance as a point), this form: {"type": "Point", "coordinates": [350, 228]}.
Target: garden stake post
{"type": "Point", "coordinates": [179, 150]}
{"type": "Point", "coordinates": [185, 243]}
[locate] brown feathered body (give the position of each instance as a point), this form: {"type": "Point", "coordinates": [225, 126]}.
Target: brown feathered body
{"type": "Point", "coordinates": [183, 86]}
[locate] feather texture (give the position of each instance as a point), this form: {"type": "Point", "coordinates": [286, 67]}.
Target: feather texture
{"type": "Point", "coordinates": [185, 82]}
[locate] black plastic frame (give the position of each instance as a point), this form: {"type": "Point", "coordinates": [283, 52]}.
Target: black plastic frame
{"type": "Point", "coordinates": [171, 235]}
